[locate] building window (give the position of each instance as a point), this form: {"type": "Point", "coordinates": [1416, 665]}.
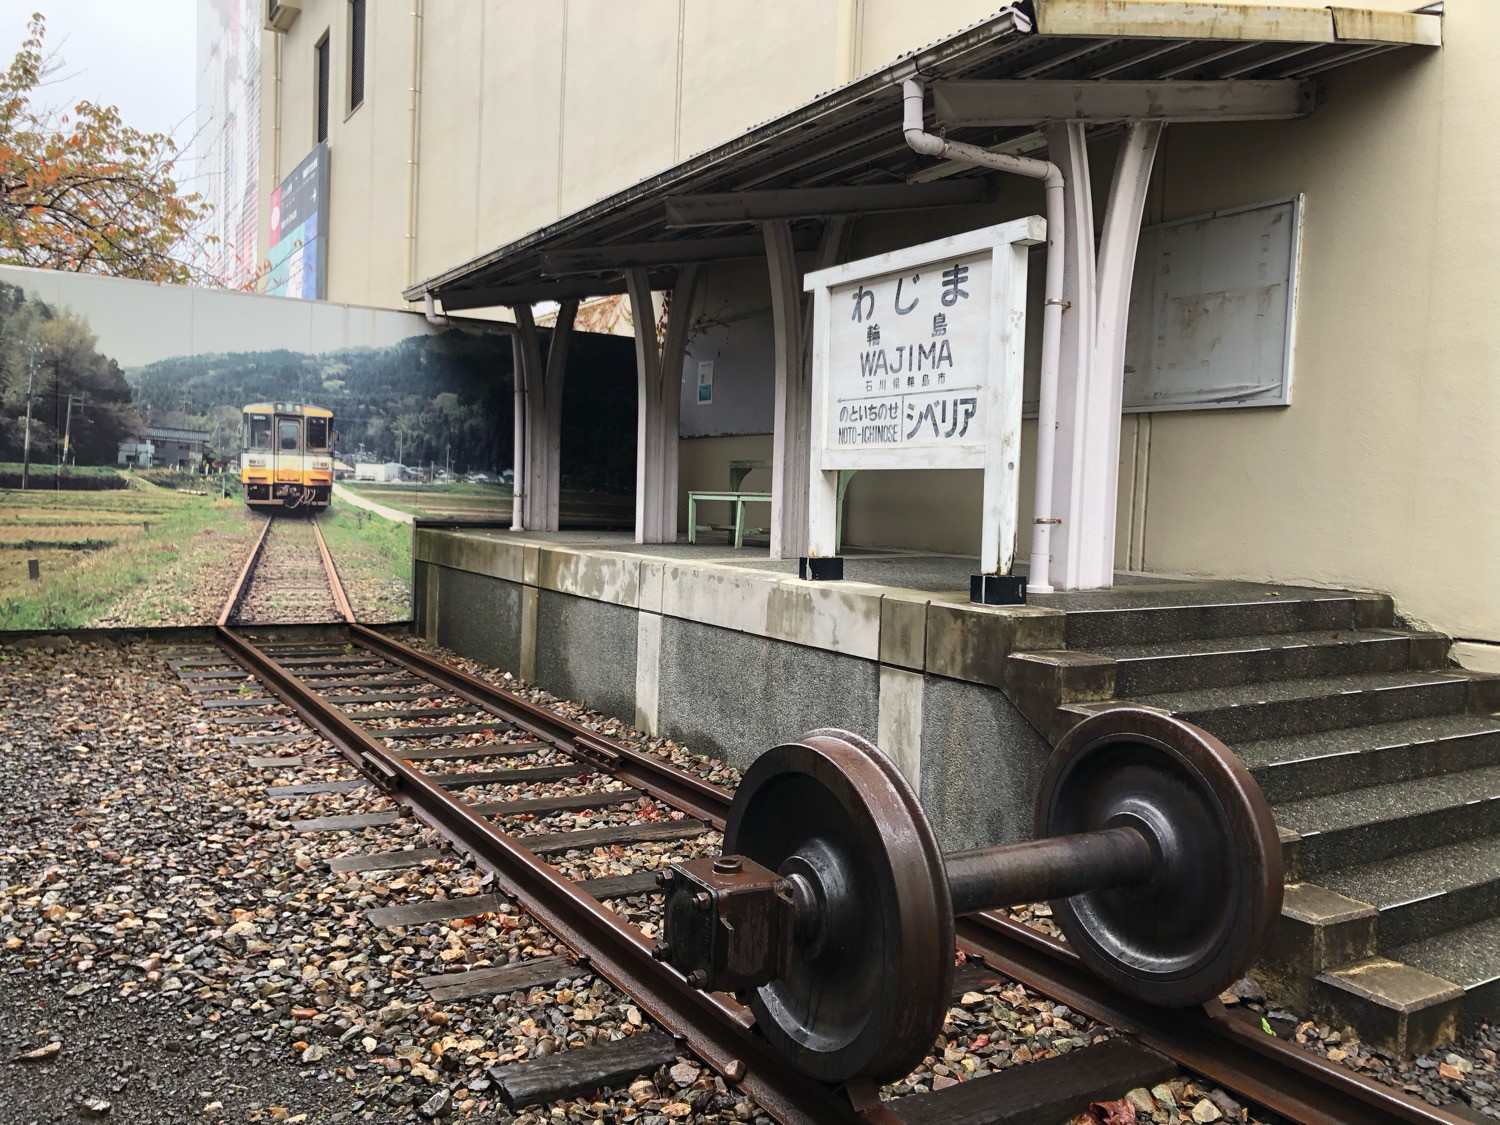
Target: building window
{"type": "Point", "coordinates": [356, 54]}
{"type": "Point", "coordinates": [322, 50]}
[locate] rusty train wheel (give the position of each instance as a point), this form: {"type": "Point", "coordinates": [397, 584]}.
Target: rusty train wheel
{"type": "Point", "coordinates": [863, 996]}
{"type": "Point", "coordinates": [1198, 924]}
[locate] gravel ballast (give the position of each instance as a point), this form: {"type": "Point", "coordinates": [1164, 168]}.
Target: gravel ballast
{"type": "Point", "coordinates": [193, 958]}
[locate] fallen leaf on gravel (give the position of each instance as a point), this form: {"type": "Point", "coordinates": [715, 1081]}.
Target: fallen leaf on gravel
{"type": "Point", "coordinates": [1114, 1113]}
{"type": "Point", "coordinates": [46, 1051]}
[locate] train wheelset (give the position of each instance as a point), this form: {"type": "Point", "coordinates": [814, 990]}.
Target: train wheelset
{"type": "Point", "coordinates": [831, 911]}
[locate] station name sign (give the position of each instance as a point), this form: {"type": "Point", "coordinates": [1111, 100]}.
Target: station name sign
{"type": "Point", "coordinates": [917, 364]}
{"type": "Point", "coordinates": [907, 356]}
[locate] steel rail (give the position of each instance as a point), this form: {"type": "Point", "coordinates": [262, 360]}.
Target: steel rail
{"type": "Point", "coordinates": [1282, 1077]}
{"type": "Point", "coordinates": [647, 772]}
{"type": "Point", "coordinates": [242, 583]}
{"type": "Point", "coordinates": [719, 1030]}
{"type": "Point", "coordinates": [340, 599]}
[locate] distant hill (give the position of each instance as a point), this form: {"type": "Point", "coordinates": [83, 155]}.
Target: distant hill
{"type": "Point", "coordinates": [448, 389]}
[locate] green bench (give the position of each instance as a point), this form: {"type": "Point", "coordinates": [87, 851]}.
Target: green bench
{"type": "Point", "coordinates": [736, 502]}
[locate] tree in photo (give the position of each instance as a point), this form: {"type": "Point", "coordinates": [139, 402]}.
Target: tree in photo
{"type": "Point", "coordinates": [83, 191]}
{"type": "Point", "coordinates": [51, 358]}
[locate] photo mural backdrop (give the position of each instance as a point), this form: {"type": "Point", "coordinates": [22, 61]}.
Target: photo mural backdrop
{"type": "Point", "coordinates": [119, 373]}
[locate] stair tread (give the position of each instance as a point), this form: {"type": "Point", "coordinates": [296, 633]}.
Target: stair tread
{"type": "Point", "coordinates": [1192, 595]}
{"type": "Point", "coordinates": [1265, 752]}
{"type": "Point", "coordinates": [1419, 875]}
{"type": "Point", "coordinates": [1468, 956]}
{"type": "Point", "coordinates": [1390, 802]}
{"type": "Point", "coordinates": [1243, 695]}
{"type": "Point", "coordinates": [1214, 646]}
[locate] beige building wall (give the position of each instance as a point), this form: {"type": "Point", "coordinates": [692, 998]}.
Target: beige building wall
{"type": "Point", "coordinates": [1382, 473]}
{"type": "Point", "coordinates": [1385, 470]}
{"type": "Point", "coordinates": [532, 109]}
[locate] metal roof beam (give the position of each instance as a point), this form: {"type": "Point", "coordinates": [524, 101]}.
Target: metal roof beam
{"type": "Point", "coordinates": [530, 293]}
{"type": "Point", "coordinates": [996, 102]}
{"type": "Point", "coordinates": [814, 203]}
{"type": "Point", "coordinates": [602, 259]}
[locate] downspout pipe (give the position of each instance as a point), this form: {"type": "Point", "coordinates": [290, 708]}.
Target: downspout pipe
{"type": "Point", "coordinates": [413, 139]}
{"type": "Point", "coordinates": [929, 144]}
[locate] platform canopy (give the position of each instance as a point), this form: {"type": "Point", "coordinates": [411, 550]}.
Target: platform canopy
{"type": "Point", "coordinates": [1040, 77]}
{"type": "Point", "coordinates": [851, 136]}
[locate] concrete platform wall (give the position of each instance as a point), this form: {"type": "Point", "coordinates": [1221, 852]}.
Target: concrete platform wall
{"type": "Point", "coordinates": [731, 661]}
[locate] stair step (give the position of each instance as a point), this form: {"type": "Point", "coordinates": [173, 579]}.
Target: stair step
{"type": "Point", "coordinates": [1469, 956]}
{"type": "Point", "coordinates": [1244, 611]}
{"type": "Point", "coordinates": [1424, 893]}
{"type": "Point", "coordinates": [1216, 661]}
{"type": "Point", "coordinates": [1372, 824]}
{"type": "Point", "coordinates": [1398, 1008]}
{"type": "Point", "coordinates": [1311, 765]}
{"type": "Point", "coordinates": [1259, 711]}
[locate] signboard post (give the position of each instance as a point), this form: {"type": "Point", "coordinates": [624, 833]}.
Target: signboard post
{"type": "Point", "coordinates": [917, 364]}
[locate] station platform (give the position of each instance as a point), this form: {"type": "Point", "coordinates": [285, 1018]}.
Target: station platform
{"type": "Point", "coordinates": [728, 651]}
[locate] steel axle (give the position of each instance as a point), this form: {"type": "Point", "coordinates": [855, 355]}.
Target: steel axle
{"type": "Point", "coordinates": [833, 908]}
{"type": "Point", "coordinates": [1042, 870]}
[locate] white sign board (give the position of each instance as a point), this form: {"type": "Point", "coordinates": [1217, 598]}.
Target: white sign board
{"type": "Point", "coordinates": [917, 364]}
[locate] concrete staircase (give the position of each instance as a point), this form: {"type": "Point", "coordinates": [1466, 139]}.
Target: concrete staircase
{"type": "Point", "coordinates": [1381, 762]}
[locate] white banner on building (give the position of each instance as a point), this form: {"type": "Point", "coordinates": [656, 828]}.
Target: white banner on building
{"type": "Point", "coordinates": [917, 364]}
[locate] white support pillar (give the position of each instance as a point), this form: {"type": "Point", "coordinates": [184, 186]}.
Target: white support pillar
{"type": "Point", "coordinates": [681, 314]}
{"type": "Point", "coordinates": [1067, 149]}
{"type": "Point", "coordinates": [542, 431]}
{"type": "Point", "coordinates": [792, 417]}
{"type": "Point", "coordinates": [1113, 277]}
{"type": "Point", "coordinates": [1090, 381]}
{"type": "Point", "coordinates": [518, 444]}
{"type": "Point", "coordinates": [659, 402]}
{"type": "Point", "coordinates": [791, 445]}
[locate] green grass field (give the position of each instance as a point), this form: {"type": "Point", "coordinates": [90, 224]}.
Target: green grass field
{"type": "Point", "coordinates": [94, 548]}
{"type": "Point", "coordinates": [373, 557]}
{"type": "Point", "coordinates": [47, 475]}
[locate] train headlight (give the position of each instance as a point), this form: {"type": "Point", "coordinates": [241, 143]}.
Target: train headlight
{"type": "Point", "coordinates": [322, 464]}
{"type": "Point", "coordinates": [256, 462]}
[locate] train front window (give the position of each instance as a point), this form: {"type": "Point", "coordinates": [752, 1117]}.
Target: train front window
{"type": "Point", "coordinates": [259, 431]}
{"type": "Point", "coordinates": [317, 433]}
{"type": "Point", "coordinates": [288, 433]}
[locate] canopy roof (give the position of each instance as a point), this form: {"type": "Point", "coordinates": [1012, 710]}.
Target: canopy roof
{"type": "Point", "coordinates": [851, 136]}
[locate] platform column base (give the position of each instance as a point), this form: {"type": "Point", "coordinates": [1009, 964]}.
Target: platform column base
{"type": "Point", "coordinates": [821, 569]}
{"type": "Point", "coordinates": [997, 589]}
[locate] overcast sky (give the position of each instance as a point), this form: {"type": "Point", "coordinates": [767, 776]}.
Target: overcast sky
{"type": "Point", "coordinates": [134, 54]}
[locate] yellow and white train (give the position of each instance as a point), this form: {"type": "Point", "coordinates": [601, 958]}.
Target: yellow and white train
{"type": "Point", "coordinates": [286, 456]}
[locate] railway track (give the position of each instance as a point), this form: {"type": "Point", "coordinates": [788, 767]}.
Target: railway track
{"type": "Point", "coordinates": [288, 577]}
{"type": "Point", "coordinates": [506, 783]}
